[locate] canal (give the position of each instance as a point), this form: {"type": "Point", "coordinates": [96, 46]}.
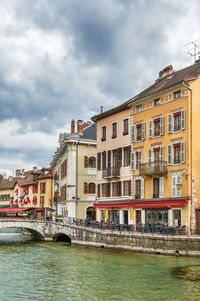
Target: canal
{"type": "Point", "coordinates": [31, 270]}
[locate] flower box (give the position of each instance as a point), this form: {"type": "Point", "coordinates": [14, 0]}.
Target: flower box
{"type": "Point", "coordinates": [103, 139]}
{"type": "Point", "coordinates": [114, 136]}
{"type": "Point", "coordinates": [125, 133]}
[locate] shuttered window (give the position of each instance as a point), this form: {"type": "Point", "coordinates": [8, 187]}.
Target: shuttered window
{"type": "Point", "coordinates": [85, 188]}
{"type": "Point", "coordinates": [169, 154]}
{"type": "Point", "coordinates": [99, 161]}
{"type": "Point", "coordinates": [169, 123]}
{"type": "Point", "coordinates": [150, 128]}
{"type": "Point", "coordinates": [86, 161]}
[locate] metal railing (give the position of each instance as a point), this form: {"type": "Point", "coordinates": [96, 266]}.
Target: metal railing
{"type": "Point", "coordinates": [113, 171]}
{"type": "Point", "coordinates": [140, 228]}
{"type": "Point", "coordinates": [153, 168]}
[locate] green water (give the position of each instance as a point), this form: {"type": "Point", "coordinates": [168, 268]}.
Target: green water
{"type": "Point", "coordinates": [55, 271]}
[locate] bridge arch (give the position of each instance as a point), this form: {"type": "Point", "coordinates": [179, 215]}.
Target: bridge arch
{"type": "Point", "coordinates": [62, 237]}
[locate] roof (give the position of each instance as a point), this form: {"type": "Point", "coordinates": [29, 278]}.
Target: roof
{"type": "Point", "coordinates": [170, 80]}
{"type": "Point", "coordinates": [7, 184]}
{"type": "Point", "coordinates": [90, 132]}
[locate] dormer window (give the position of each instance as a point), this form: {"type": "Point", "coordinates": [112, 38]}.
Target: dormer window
{"type": "Point", "coordinates": [177, 94]}
{"type": "Point", "coordinates": [156, 101]}
{"type": "Point", "coordinates": [138, 108]}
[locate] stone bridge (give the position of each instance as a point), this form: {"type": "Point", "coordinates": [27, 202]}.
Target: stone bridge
{"type": "Point", "coordinates": [132, 241]}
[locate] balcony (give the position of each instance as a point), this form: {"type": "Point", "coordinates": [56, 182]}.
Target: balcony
{"type": "Point", "coordinates": [153, 168]}
{"type": "Point", "coordinates": [111, 172]}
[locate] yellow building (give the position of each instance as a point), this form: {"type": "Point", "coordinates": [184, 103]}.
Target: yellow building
{"type": "Point", "coordinates": [165, 153]}
{"type": "Point", "coordinates": [6, 191]}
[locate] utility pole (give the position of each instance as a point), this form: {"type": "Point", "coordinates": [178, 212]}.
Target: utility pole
{"type": "Point", "coordinates": [194, 52]}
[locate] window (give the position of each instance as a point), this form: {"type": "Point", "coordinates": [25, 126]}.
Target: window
{"type": "Point", "coordinates": [92, 188]}
{"type": "Point", "coordinates": [114, 130]}
{"type": "Point", "coordinates": [138, 132]}
{"type": "Point", "coordinates": [176, 153]}
{"type": "Point", "coordinates": [127, 156]}
{"type": "Point", "coordinates": [64, 169]}
{"type": "Point", "coordinates": [138, 108]}
{"type": "Point", "coordinates": [102, 215]}
{"type": "Point", "coordinates": [63, 195]}
{"type": "Point", "coordinates": [125, 127]}
{"type": "Point", "coordinates": [92, 162]}
{"type": "Point", "coordinates": [99, 161]}
{"type": "Point", "coordinates": [176, 121]}
{"type": "Point", "coordinates": [104, 190]}
{"type": "Point", "coordinates": [177, 94]}
{"type": "Point", "coordinates": [176, 185]}
{"type": "Point", "coordinates": [136, 160]}
{"type": "Point", "coordinates": [158, 187]}
{"type": "Point", "coordinates": [156, 127]}
{"type": "Point", "coordinates": [114, 189]}
{"type": "Point", "coordinates": [103, 133]}
{"type": "Point", "coordinates": [156, 101]}
{"type": "Point", "coordinates": [104, 160]}
{"type": "Point", "coordinates": [176, 217]}
{"type": "Point", "coordinates": [42, 187]}
{"type": "Point", "coordinates": [41, 201]}
{"type": "Point", "coordinates": [139, 189]}
{"type": "Point", "coordinates": [127, 188]}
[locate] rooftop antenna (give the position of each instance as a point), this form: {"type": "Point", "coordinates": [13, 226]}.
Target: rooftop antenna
{"type": "Point", "coordinates": [194, 52]}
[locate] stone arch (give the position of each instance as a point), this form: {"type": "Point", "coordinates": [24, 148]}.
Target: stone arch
{"type": "Point", "coordinates": [34, 233]}
{"type": "Point", "coordinates": [62, 237]}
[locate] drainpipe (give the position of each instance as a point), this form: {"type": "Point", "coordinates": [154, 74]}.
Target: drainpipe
{"type": "Point", "coordinates": [186, 85]}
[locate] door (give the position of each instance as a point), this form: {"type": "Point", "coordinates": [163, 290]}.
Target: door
{"type": "Point", "coordinates": [138, 217]}
{"type": "Point", "coordinates": [125, 212]}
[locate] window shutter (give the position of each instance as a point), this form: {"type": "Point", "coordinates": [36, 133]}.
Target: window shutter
{"type": "Point", "coordinates": [142, 188]}
{"type": "Point", "coordinates": [133, 160]}
{"type": "Point", "coordinates": [85, 188]}
{"type": "Point", "coordinates": [119, 190]}
{"type": "Point", "coordinates": [40, 188]}
{"type": "Point", "coordinates": [86, 161]}
{"type": "Point", "coordinates": [99, 161]}
{"type": "Point", "coordinates": [169, 123]}
{"type": "Point", "coordinates": [139, 159]}
{"type": "Point", "coordinates": [44, 187]}
{"type": "Point", "coordinates": [161, 187]}
{"type": "Point", "coordinates": [161, 154]}
{"type": "Point", "coordinates": [143, 130]}
{"type": "Point", "coordinates": [119, 157]}
{"type": "Point", "coordinates": [150, 159]}
{"type": "Point", "coordinates": [182, 152]}
{"type": "Point", "coordinates": [161, 126]}
{"type": "Point", "coordinates": [173, 186]}
{"type": "Point", "coordinates": [109, 159]}
{"type": "Point", "coordinates": [99, 190]}
{"type": "Point", "coordinates": [169, 154]}
{"type": "Point", "coordinates": [133, 133]}
{"type": "Point", "coordinates": [129, 187]}
{"type": "Point", "coordinates": [183, 119]}
{"type": "Point", "coordinates": [150, 128]}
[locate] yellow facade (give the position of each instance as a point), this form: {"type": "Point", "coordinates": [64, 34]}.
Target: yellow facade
{"type": "Point", "coordinates": [5, 196]}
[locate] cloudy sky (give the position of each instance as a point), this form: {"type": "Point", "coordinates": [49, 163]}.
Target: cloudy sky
{"type": "Point", "coordinates": [63, 59]}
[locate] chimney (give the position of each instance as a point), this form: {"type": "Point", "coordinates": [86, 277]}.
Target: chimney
{"type": "Point", "coordinates": [72, 126]}
{"type": "Point", "coordinates": [34, 168]}
{"type": "Point", "coordinates": [167, 70]}
{"type": "Point", "coordinates": [10, 178]}
{"type": "Point", "coordinates": [18, 172]}
{"type": "Point", "coordinates": [80, 126]}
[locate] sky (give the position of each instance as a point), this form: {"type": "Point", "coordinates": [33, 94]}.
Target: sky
{"type": "Point", "coordinates": [62, 59]}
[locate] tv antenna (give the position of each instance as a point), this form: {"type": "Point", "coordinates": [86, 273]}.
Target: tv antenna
{"type": "Point", "coordinates": [194, 52]}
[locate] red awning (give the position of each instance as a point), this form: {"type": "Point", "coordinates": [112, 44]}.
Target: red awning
{"type": "Point", "coordinates": [144, 204]}
{"type": "Point", "coordinates": [14, 210]}
{"type": "Point", "coordinates": [177, 145]}
{"type": "Point", "coordinates": [156, 120]}
{"type": "Point", "coordinates": [138, 125]}
{"type": "Point", "coordinates": [177, 113]}
{"type": "Point", "coordinates": [156, 149]}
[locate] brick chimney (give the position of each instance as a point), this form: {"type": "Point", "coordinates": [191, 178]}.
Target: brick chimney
{"type": "Point", "coordinates": [81, 125]}
{"type": "Point", "coordinates": [72, 126]}
{"type": "Point", "coordinates": [167, 70]}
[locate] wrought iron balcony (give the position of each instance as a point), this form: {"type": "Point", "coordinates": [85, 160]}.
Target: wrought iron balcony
{"type": "Point", "coordinates": [111, 172]}
{"type": "Point", "coordinates": [153, 168]}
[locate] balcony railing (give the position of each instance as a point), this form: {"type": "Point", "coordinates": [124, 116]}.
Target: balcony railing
{"type": "Point", "coordinates": [153, 168]}
{"type": "Point", "coordinates": [110, 172]}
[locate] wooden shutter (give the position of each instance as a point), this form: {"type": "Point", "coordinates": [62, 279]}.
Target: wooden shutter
{"type": "Point", "coordinates": [182, 152]}
{"type": "Point", "coordinates": [169, 123]}
{"type": "Point", "coordinates": [183, 119]}
{"type": "Point", "coordinates": [41, 188]}
{"type": "Point", "coordinates": [44, 187]}
{"type": "Point", "coordinates": [129, 187]}
{"type": "Point", "coordinates": [150, 128]}
{"type": "Point", "coordinates": [99, 161]}
{"type": "Point", "coordinates": [161, 154]}
{"type": "Point", "coordinates": [169, 154]}
{"type": "Point", "coordinates": [99, 190]}
{"type": "Point", "coordinates": [86, 161]}
{"type": "Point", "coordinates": [119, 157]}
{"type": "Point", "coordinates": [161, 126]}
{"type": "Point", "coordinates": [143, 130]}
{"type": "Point", "coordinates": [129, 155]}
{"type": "Point", "coordinates": [133, 160]}
{"type": "Point", "coordinates": [119, 188]}
{"type": "Point", "coordinates": [142, 188]}
{"type": "Point", "coordinates": [85, 188]}
{"type": "Point", "coordinates": [139, 159]}
{"type": "Point", "coordinates": [161, 187]}
{"type": "Point", "coordinates": [133, 133]}
{"type": "Point", "coordinates": [173, 186]}
{"type": "Point", "coordinates": [150, 159]}
{"type": "Point", "coordinates": [109, 159]}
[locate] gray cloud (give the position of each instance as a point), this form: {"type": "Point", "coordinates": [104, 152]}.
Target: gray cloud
{"type": "Point", "coordinates": [63, 59]}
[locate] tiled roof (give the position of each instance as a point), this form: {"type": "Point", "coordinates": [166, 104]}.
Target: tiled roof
{"type": "Point", "coordinates": [7, 184]}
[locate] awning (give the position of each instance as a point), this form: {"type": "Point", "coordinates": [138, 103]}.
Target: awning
{"type": "Point", "coordinates": [14, 210]}
{"type": "Point", "coordinates": [143, 204]}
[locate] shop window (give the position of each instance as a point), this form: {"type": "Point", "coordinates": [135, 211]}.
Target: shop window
{"type": "Point", "coordinates": [177, 217]}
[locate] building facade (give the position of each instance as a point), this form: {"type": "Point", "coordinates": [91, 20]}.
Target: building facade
{"type": "Point", "coordinates": [165, 153]}
{"type": "Point", "coordinates": [74, 165]}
